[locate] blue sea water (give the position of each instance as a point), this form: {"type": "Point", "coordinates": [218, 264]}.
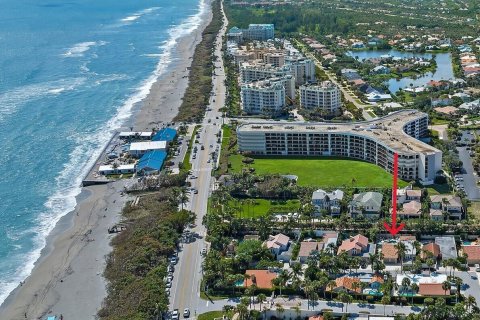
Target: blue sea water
{"type": "Point", "coordinates": [70, 72]}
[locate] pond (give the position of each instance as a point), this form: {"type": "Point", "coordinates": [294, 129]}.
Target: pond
{"type": "Point", "coordinates": [444, 69]}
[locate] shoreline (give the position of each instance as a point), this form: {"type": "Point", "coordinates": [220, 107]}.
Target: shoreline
{"type": "Point", "coordinates": [68, 279]}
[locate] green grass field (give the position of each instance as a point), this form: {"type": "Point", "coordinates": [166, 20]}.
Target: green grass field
{"type": "Point", "coordinates": [321, 172]}
{"type": "Point", "coordinates": [259, 207]}
{"type": "Point", "coordinates": [210, 315]}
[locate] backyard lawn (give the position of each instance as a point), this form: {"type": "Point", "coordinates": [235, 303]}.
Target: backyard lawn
{"type": "Point", "coordinates": [321, 172]}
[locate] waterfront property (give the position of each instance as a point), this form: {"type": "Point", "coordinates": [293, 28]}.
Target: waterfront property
{"type": "Point", "coordinates": [265, 97]}
{"type": "Point", "coordinates": [151, 162]}
{"type": "Point", "coordinates": [325, 97]}
{"type": "Point", "coordinates": [138, 149]}
{"type": "Point", "coordinates": [259, 32]}
{"type": "Point", "coordinates": [373, 141]}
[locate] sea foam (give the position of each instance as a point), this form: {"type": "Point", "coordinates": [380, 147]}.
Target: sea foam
{"type": "Point", "coordinates": [67, 183]}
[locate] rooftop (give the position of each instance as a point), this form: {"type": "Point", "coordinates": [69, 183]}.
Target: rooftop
{"type": "Point", "coordinates": [388, 130]}
{"type": "Point", "coordinates": [261, 278]}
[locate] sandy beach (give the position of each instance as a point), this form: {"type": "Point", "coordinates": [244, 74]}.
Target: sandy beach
{"type": "Point", "coordinates": [67, 279]}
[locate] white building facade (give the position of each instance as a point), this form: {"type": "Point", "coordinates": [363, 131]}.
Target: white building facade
{"type": "Point", "coordinates": [263, 97]}
{"type": "Point", "coordinates": [326, 97]}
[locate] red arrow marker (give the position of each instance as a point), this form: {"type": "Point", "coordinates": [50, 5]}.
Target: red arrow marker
{"type": "Point", "coordinates": [394, 229]}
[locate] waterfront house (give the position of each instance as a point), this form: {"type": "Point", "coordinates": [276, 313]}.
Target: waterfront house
{"type": "Point", "coordinates": [120, 169]}
{"type": "Point", "coordinates": [138, 149]}
{"type": "Point", "coordinates": [165, 134]}
{"type": "Point", "coordinates": [151, 162]}
{"type": "Point", "coordinates": [380, 70]}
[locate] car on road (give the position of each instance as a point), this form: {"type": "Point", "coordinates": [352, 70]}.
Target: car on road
{"type": "Point", "coordinates": [193, 177]}
{"type": "Point", "coordinates": [168, 285]}
{"type": "Point", "coordinates": [196, 191]}
{"type": "Point", "coordinates": [204, 251]}
{"type": "Point", "coordinates": [186, 313]}
{"type": "Point", "coordinates": [167, 291]}
{"type": "Point", "coordinates": [175, 314]}
{"type": "Point", "coordinates": [173, 260]}
{"type": "Point", "coordinates": [170, 278]}
{"type": "Point", "coordinates": [209, 160]}
{"type": "Point", "coordinates": [477, 267]}
{"type": "Point", "coordinates": [170, 268]}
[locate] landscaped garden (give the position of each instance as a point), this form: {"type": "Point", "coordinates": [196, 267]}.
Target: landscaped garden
{"type": "Point", "coordinates": [320, 172]}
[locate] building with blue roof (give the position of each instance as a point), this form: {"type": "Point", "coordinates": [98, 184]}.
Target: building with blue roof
{"type": "Point", "coordinates": [151, 162]}
{"type": "Point", "coordinates": [165, 134]}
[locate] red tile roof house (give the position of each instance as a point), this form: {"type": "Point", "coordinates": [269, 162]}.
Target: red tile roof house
{"type": "Point", "coordinates": [354, 246]}
{"type": "Point", "coordinates": [261, 278]}
{"type": "Point", "coordinates": [433, 248]}
{"type": "Point", "coordinates": [473, 253]}
{"type": "Point", "coordinates": [306, 249]}
{"type": "Point", "coordinates": [432, 289]}
{"type": "Point", "coordinates": [346, 284]}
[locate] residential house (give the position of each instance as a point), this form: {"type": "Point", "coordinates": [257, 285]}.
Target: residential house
{"type": "Point", "coordinates": [473, 106]}
{"type": "Point", "coordinates": [433, 248]}
{"type": "Point", "coordinates": [366, 204]}
{"type": "Point", "coordinates": [390, 252]}
{"type": "Point", "coordinates": [448, 247]}
{"type": "Point", "coordinates": [380, 70]}
{"type": "Point", "coordinates": [432, 290]}
{"type": "Point", "coordinates": [278, 244]}
{"type": "Point", "coordinates": [450, 204]}
{"type": "Point", "coordinates": [407, 194]}
{"type": "Point", "coordinates": [328, 201]}
{"type": "Point", "coordinates": [473, 254]}
{"type": "Point", "coordinates": [357, 246]}
{"type": "Point", "coordinates": [347, 284]}
{"type": "Point", "coordinates": [436, 215]}
{"type": "Point", "coordinates": [262, 279]}
{"type": "Point", "coordinates": [411, 209]}
{"type": "Point", "coordinates": [440, 101]}
{"type": "Point", "coordinates": [307, 248]}
{"type": "Point", "coordinates": [358, 45]}
{"type": "Point", "coordinates": [330, 242]}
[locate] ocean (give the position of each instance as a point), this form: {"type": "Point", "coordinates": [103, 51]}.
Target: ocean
{"type": "Point", "coordinates": [70, 73]}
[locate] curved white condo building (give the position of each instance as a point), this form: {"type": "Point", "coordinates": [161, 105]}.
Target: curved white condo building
{"type": "Point", "coordinates": [373, 141]}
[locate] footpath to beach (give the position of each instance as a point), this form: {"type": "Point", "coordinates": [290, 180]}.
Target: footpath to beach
{"type": "Point", "coordinates": [68, 278]}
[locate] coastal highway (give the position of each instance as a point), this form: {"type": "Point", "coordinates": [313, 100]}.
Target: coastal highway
{"type": "Point", "coordinates": [185, 291]}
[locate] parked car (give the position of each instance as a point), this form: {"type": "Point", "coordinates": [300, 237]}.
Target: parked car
{"type": "Point", "coordinates": [175, 314]}
{"type": "Point", "coordinates": [477, 267]}
{"type": "Point", "coordinates": [204, 251]}
{"type": "Point", "coordinates": [186, 313]}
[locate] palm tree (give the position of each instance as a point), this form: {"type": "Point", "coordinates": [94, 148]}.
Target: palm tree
{"type": "Point", "coordinates": [470, 302]}
{"type": "Point", "coordinates": [458, 283]}
{"type": "Point", "coordinates": [323, 282]}
{"type": "Point", "coordinates": [414, 288]}
{"type": "Point", "coordinates": [406, 284]}
{"type": "Point", "coordinates": [430, 263]}
{"type": "Point", "coordinates": [446, 286]}
{"type": "Point", "coordinates": [282, 278]}
{"type": "Point", "coordinates": [331, 284]}
{"type": "Point", "coordinates": [401, 251]}
{"type": "Point", "coordinates": [385, 300]}
{"type": "Point", "coordinates": [261, 299]}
